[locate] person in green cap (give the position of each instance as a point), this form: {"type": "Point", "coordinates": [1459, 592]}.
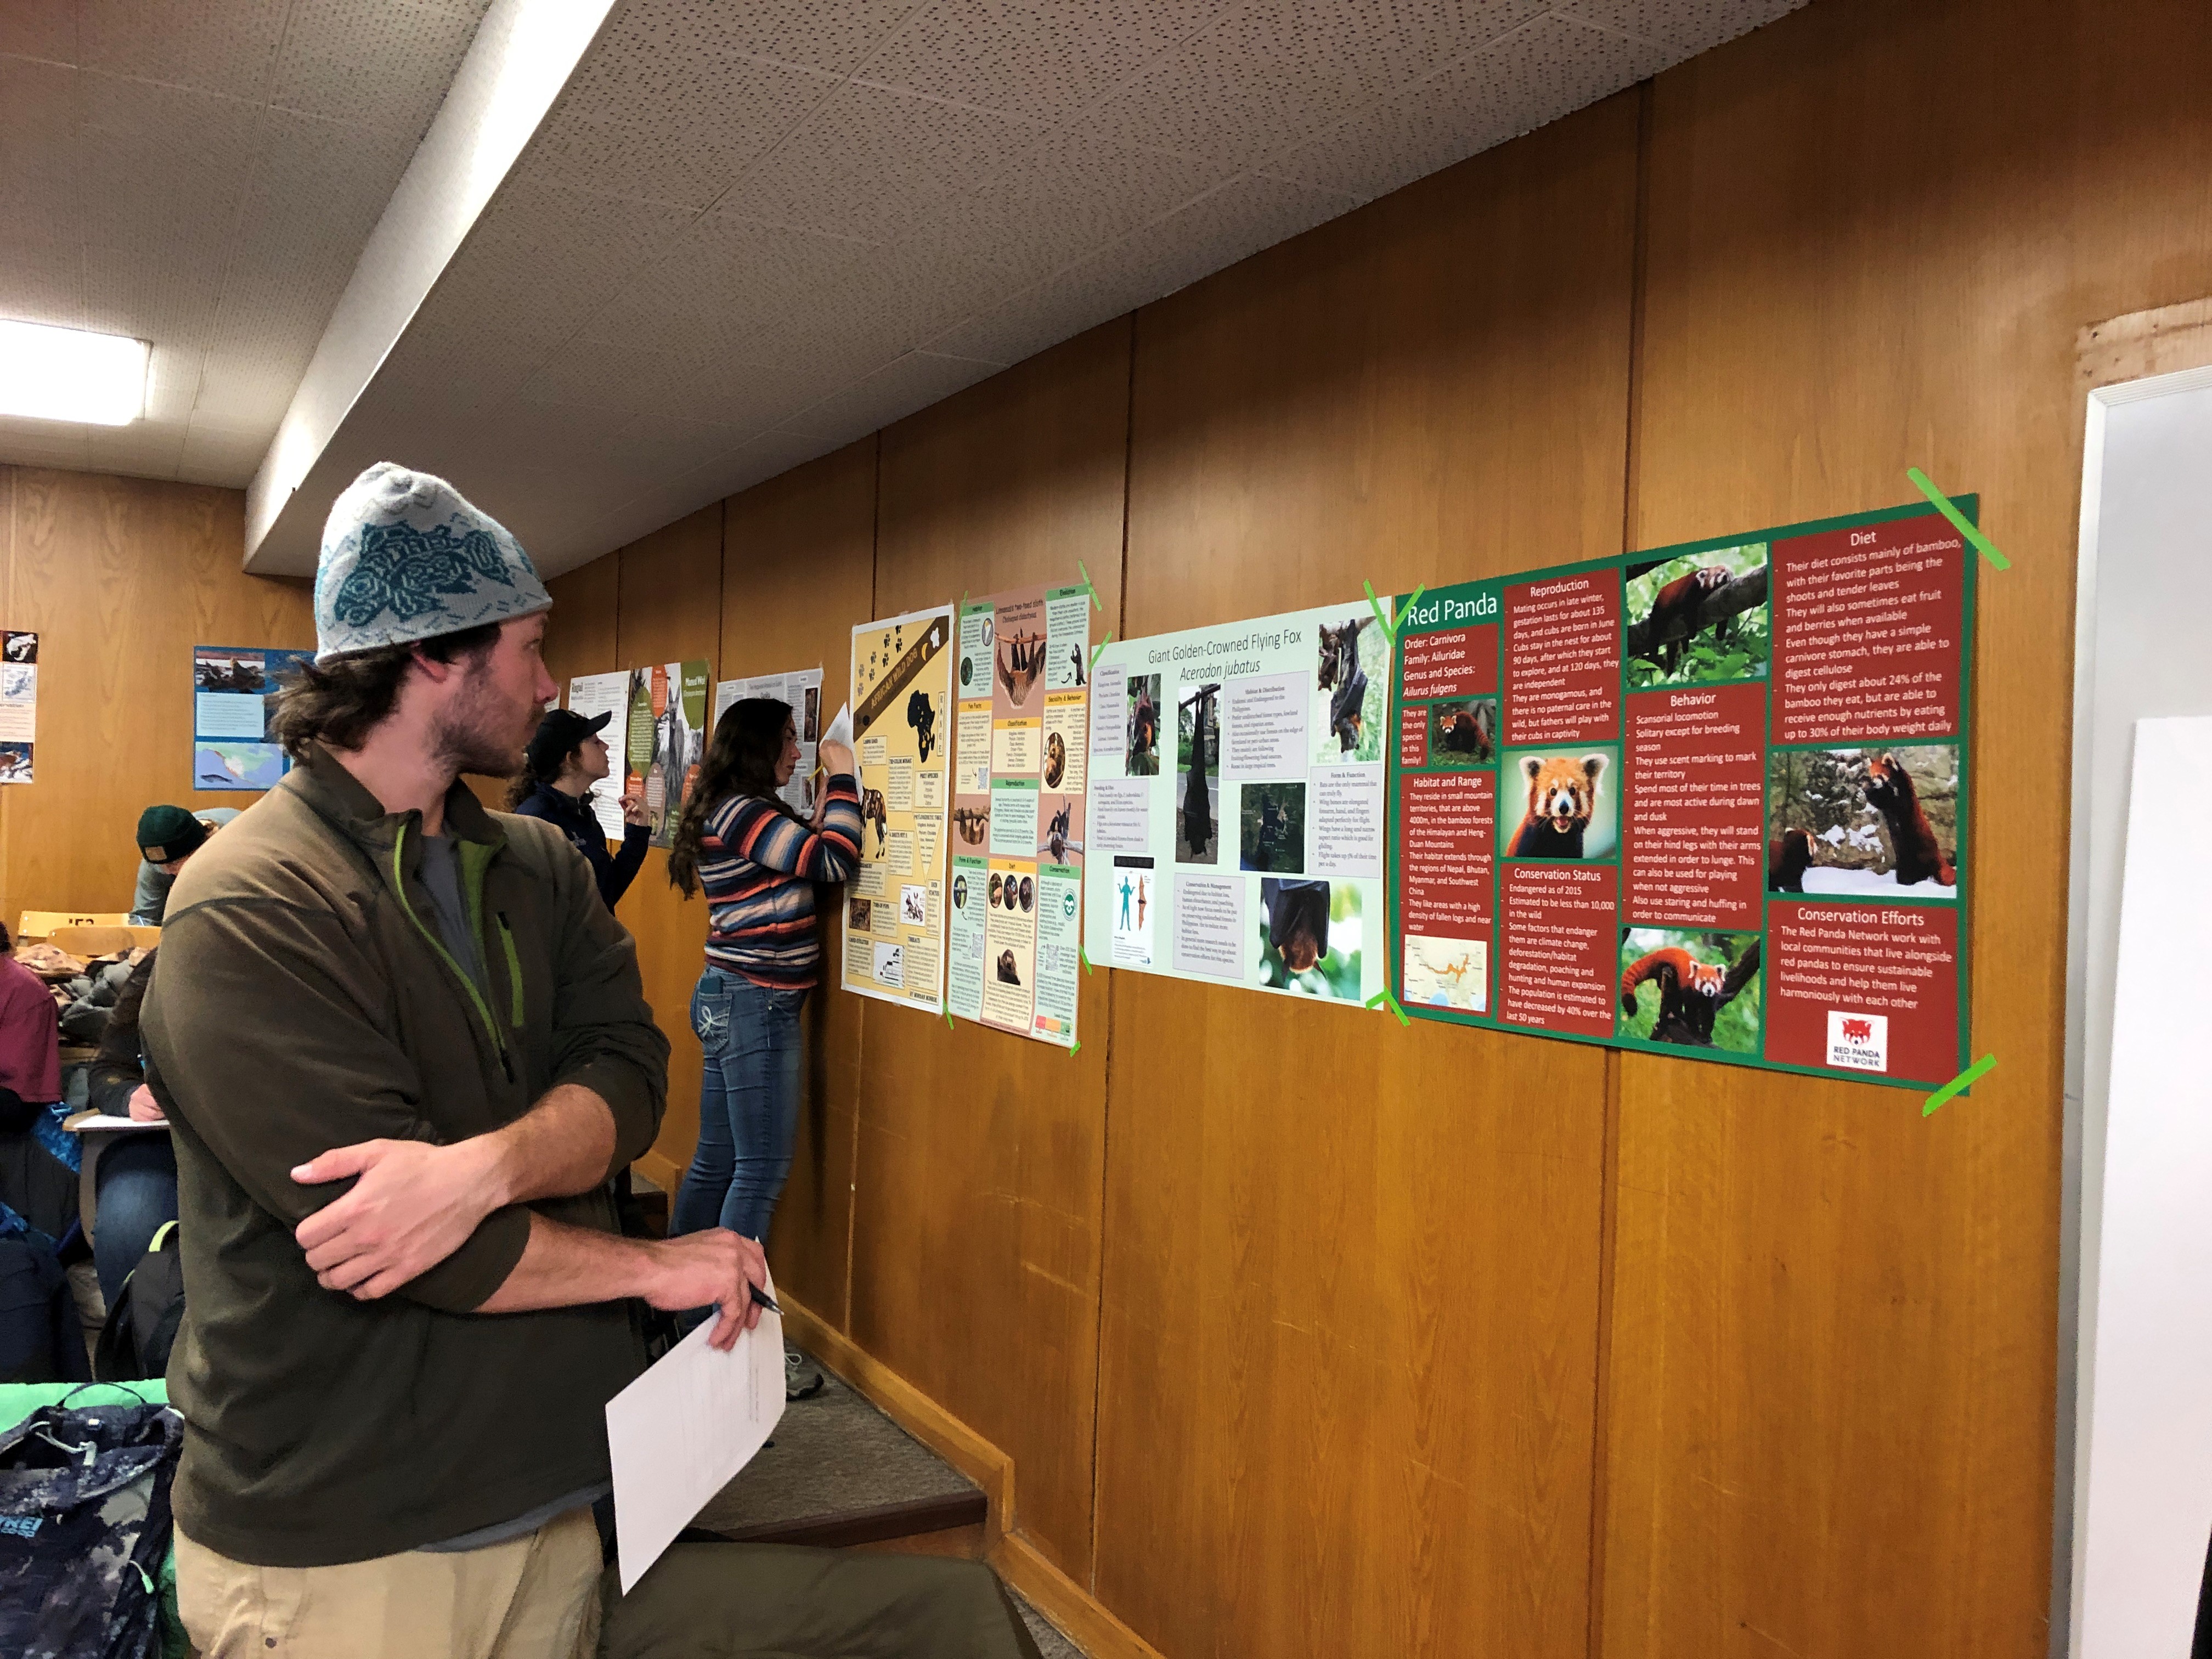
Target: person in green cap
{"type": "Point", "coordinates": [168, 835]}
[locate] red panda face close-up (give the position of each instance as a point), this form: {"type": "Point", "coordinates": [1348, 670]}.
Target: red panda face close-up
{"type": "Point", "coordinates": [1562, 791]}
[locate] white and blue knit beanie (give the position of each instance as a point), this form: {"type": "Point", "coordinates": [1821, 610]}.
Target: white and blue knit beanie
{"type": "Point", "coordinates": [406, 557]}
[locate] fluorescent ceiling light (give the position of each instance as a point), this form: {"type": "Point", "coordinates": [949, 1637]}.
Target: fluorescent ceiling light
{"type": "Point", "coordinates": [67, 374]}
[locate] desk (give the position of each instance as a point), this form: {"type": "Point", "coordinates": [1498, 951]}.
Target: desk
{"type": "Point", "coordinates": [98, 1132]}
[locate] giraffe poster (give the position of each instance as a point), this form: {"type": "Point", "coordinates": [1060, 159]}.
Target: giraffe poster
{"type": "Point", "coordinates": [902, 727]}
{"type": "Point", "coordinates": [1019, 768]}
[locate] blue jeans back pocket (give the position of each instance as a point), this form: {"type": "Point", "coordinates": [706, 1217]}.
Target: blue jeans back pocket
{"type": "Point", "coordinates": [710, 1020]}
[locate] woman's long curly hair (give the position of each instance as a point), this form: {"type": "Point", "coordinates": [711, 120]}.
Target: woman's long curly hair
{"type": "Point", "coordinates": [742, 756]}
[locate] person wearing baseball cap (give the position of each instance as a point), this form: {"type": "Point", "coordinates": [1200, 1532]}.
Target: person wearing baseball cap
{"type": "Point", "coordinates": [559, 768]}
{"type": "Point", "coordinates": [168, 835]}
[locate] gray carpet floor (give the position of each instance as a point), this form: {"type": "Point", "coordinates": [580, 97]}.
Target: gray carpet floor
{"type": "Point", "coordinates": [836, 1453]}
{"type": "Point", "coordinates": [1050, 1643]}
{"type": "Point", "coordinates": [833, 1454]}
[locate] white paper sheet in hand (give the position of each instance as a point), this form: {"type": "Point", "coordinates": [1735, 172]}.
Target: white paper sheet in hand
{"type": "Point", "coordinates": [841, 729]}
{"type": "Point", "coordinates": [681, 1432]}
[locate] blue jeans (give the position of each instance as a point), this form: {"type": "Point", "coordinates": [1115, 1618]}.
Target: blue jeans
{"type": "Point", "coordinates": [748, 1105]}
{"type": "Point", "coordinates": [137, 1191]}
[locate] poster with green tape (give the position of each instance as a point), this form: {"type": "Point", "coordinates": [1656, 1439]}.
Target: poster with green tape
{"type": "Point", "coordinates": [1237, 803]}
{"type": "Point", "coordinates": [1706, 800]}
{"type": "Point", "coordinates": [1013, 927]}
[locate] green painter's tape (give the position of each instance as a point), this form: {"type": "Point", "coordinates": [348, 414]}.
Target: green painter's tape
{"type": "Point", "coordinates": [949, 1025]}
{"type": "Point", "coordinates": [1101, 646]}
{"type": "Point", "coordinates": [1086, 574]}
{"type": "Point", "coordinates": [1384, 999]}
{"type": "Point", "coordinates": [1958, 1084]}
{"type": "Point", "coordinates": [1392, 623]}
{"type": "Point", "coordinates": [1944, 505]}
{"type": "Point", "coordinates": [1085, 956]}
{"type": "Point", "coordinates": [1075, 1048]}
{"type": "Point", "coordinates": [1381, 615]}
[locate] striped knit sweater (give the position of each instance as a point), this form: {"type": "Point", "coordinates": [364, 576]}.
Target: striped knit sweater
{"type": "Point", "coordinates": [758, 866]}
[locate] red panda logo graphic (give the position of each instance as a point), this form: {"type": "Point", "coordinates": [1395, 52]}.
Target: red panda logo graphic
{"type": "Point", "coordinates": [1858, 1030]}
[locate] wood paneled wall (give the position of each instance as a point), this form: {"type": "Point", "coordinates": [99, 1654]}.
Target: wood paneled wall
{"type": "Point", "coordinates": [1308, 1336]}
{"type": "Point", "coordinates": [121, 578]}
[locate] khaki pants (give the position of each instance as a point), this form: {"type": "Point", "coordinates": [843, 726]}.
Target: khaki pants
{"type": "Point", "coordinates": [533, 1597]}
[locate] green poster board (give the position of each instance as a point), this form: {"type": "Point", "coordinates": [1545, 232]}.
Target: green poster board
{"type": "Point", "coordinates": [1709, 800]}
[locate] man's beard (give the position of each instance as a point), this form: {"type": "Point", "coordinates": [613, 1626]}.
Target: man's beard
{"type": "Point", "coordinates": [477, 734]}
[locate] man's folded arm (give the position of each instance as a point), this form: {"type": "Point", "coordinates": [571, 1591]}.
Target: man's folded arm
{"type": "Point", "coordinates": [265, 1051]}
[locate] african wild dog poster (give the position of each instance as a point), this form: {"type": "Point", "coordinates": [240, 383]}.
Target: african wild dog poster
{"type": "Point", "coordinates": [1237, 803]}
{"type": "Point", "coordinates": [901, 741]}
{"type": "Point", "coordinates": [1709, 799]}
{"type": "Point", "coordinates": [1013, 927]}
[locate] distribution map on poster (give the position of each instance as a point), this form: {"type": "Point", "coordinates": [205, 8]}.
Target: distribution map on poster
{"type": "Point", "coordinates": [234, 691]}
{"type": "Point", "coordinates": [1709, 799]}
{"type": "Point", "coordinates": [1014, 925]}
{"type": "Point", "coordinates": [1236, 804]}
{"type": "Point", "coordinates": [902, 740]}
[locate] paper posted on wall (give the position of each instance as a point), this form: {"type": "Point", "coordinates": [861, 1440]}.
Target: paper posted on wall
{"type": "Point", "coordinates": [801, 692]}
{"type": "Point", "coordinates": [19, 704]}
{"type": "Point", "coordinates": [681, 1432]}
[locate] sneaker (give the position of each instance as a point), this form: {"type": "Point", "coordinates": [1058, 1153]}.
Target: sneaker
{"type": "Point", "coordinates": [802, 1377]}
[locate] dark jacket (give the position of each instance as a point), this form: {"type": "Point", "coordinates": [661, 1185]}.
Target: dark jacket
{"type": "Point", "coordinates": [613, 871]}
{"type": "Point", "coordinates": [120, 1065]}
{"type": "Point", "coordinates": [305, 1002]}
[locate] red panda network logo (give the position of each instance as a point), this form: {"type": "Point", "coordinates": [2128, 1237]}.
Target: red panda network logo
{"type": "Point", "coordinates": [1859, 1043]}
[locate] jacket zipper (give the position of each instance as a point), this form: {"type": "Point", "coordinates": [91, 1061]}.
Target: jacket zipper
{"type": "Point", "coordinates": [513, 966]}
{"type": "Point", "coordinates": [476, 997]}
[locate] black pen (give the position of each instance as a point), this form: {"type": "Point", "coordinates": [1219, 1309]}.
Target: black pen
{"type": "Point", "coordinates": [762, 1298]}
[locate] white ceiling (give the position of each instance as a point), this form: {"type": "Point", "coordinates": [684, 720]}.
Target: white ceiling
{"type": "Point", "coordinates": [744, 233]}
{"type": "Point", "coordinates": [202, 173]}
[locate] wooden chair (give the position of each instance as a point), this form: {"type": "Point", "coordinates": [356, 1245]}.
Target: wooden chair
{"type": "Point", "coordinates": [101, 941]}
{"type": "Point", "coordinates": [40, 924]}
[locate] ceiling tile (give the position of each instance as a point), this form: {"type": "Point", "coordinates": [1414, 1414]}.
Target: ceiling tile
{"type": "Point", "coordinates": [212, 455]}
{"type": "Point", "coordinates": [41, 280]}
{"type": "Point", "coordinates": [833, 36]}
{"type": "Point", "coordinates": [872, 163]}
{"type": "Point", "coordinates": [621, 381]}
{"type": "Point", "coordinates": [39, 28]}
{"type": "Point", "coordinates": [1039, 59]}
{"type": "Point", "coordinates": [1271, 73]}
{"type": "Point", "coordinates": [1239, 219]}
{"type": "Point", "coordinates": [678, 128]}
{"type": "Point", "coordinates": [897, 389]}
{"type": "Point", "coordinates": [545, 259]}
{"type": "Point", "coordinates": [384, 67]}
{"type": "Point", "coordinates": [42, 443]}
{"type": "Point", "coordinates": [726, 279]}
{"type": "Point", "coordinates": [1687, 26]}
{"type": "Point", "coordinates": [227, 48]}
{"type": "Point", "coordinates": [1557, 65]}
{"type": "Point", "coordinates": [41, 108]}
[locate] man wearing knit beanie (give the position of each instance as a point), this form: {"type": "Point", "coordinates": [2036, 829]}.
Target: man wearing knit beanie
{"type": "Point", "coordinates": [449, 1055]}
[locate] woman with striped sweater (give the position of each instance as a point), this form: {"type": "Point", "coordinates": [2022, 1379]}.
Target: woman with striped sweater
{"type": "Point", "coordinates": [758, 862]}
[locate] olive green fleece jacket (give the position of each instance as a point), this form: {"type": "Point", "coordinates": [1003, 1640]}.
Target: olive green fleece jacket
{"type": "Point", "coordinates": [304, 1001]}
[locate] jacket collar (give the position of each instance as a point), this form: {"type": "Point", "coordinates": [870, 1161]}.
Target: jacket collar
{"type": "Point", "coordinates": [335, 794]}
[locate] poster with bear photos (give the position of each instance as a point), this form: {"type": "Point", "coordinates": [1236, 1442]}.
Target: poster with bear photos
{"type": "Point", "coordinates": [1236, 804]}
{"type": "Point", "coordinates": [1013, 925]}
{"type": "Point", "coordinates": [901, 731]}
{"type": "Point", "coordinates": [1707, 800]}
